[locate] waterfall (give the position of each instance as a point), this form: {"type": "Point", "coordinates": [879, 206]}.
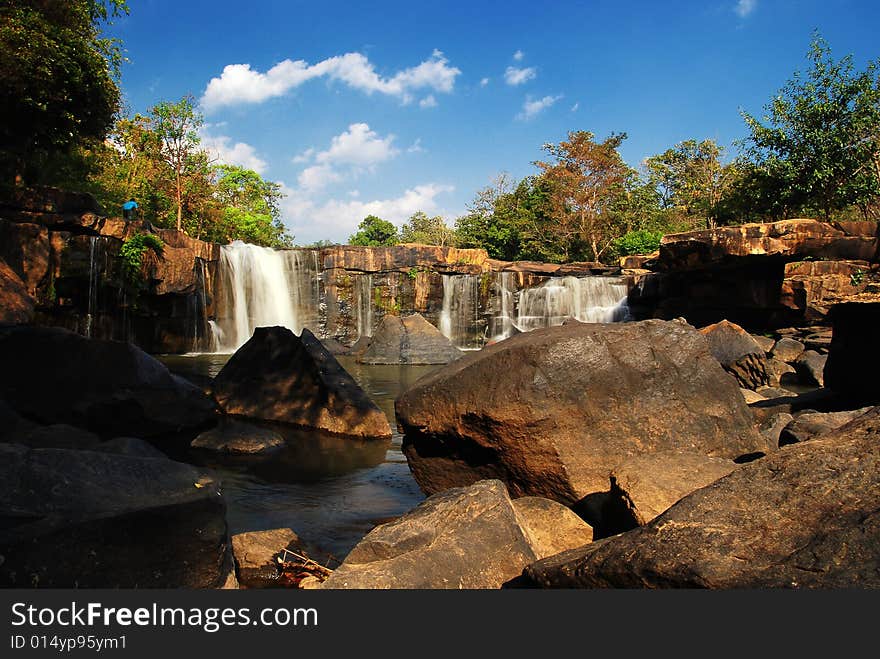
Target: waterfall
{"type": "Point", "coordinates": [363, 292]}
{"type": "Point", "coordinates": [97, 265]}
{"type": "Point", "coordinates": [460, 317]}
{"type": "Point", "coordinates": [503, 324]}
{"type": "Point", "coordinates": [588, 299]}
{"type": "Point", "coordinates": [259, 287]}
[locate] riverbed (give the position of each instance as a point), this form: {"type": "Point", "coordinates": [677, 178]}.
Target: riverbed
{"type": "Point", "coordinates": [331, 491]}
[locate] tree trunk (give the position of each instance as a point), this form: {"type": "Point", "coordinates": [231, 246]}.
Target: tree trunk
{"type": "Point", "coordinates": [179, 204]}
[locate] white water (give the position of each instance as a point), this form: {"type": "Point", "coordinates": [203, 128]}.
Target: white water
{"type": "Point", "coordinates": [587, 299]}
{"type": "Point", "coordinates": [363, 293]}
{"type": "Point", "coordinates": [261, 287]}
{"type": "Point", "coordinates": [460, 315]}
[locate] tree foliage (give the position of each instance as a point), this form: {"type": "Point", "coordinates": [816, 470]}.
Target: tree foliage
{"type": "Point", "coordinates": [374, 232]}
{"type": "Point", "coordinates": [420, 228]}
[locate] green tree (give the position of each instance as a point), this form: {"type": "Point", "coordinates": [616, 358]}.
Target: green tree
{"type": "Point", "coordinates": [250, 207]}
{"type": "Point", "coordinates": [58, 81]}
{"type": "Point", "coordinates": [420, 228]}
{"type": "Point", "coordinates": [818, 148]}
{"type": "Point", "coordinates": [374, 232]}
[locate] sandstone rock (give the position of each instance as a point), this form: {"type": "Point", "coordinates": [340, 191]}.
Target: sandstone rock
{"type": "Point", "coordinates": [644, 486]}
{"type": "Point", "coordinates": [256, 555]}
{"type": "Point", "coordinates": [637, 261]}
{"type": "Point", "coordinates": [277, 376]}
{"type": "Point", "coordinates": [16, 306]}
{"type": "Point", "coordinates": [854, 351]}
{"type": "Point", "coordinates": [112, 388]}
{"type": "Point", "coordinates": [409, 340]}
{"type": "Point", "coordinates": [810, 367]}
{"type": "Point", "coordinates": [750, 396]}
{"type": "Point", "coordinates": [96, 520]}
{"type": "Point", "coordinates": [238, 437]}
{"type": "Point", "coordinates": [774, 392]}
{"type": "Point", "coordinates": [772, 427]}
{"type": "Point", "coordinates": [26, 250]}
{"type": "Point", "coordinates": [787, 349]}
{"type": "Point", "coordinates": [550, 527]}
{"type": "Point", "coordinates": [550, 412]}
{"type": "Point", "coordinates": [47, 199]}
{"type": "Point", "coordinates": [404, 257]}
{"type": "Point", "coordinates": [804, 517]}
{"type": "Point", "coordinates": [738, 353]}
{"type": "Point", "coordinates": [779, 371]}
{"type": "Point", "coordinates": [813, 424]}
{"type": "Point", "coordinates": [468, 537]}
{"type": "Point", "coordinates": [765, 342]}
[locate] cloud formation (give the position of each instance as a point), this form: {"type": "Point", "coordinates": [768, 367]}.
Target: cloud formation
{"type": "Point", "coordinates": [745, 7]}
{"type": "Point", "coordinates": [514, 76]}
{"type": "Point", "coordinates": [533, 107]}
{"type": "Point", "coordinates": [222, 149]}
{"type": "Point", "coordinates": [518, 55]}
{"type": "Point", "coordinates": [239, 83]}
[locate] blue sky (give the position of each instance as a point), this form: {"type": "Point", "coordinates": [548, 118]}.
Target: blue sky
{"type": "Point", "coordinates": [393, 107]}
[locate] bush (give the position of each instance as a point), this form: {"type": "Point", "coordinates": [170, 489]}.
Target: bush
{"type": "Point", "coordinates": [132, 255]}
{"type": "Point", "coordinates": [638, 242]}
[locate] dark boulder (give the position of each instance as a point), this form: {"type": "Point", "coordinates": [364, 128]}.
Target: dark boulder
{"type": "Point", "coordinates": [409, 340]}
{"type": "Point", "coordinates": [16, 306]}
{"type": "Point", "coordinates": [810, 367]}
{"type": "Point", "coordinates": [97, 520]}
{"type": "Point", "coordinates": [51, 375]}
{"type": "Point", "coordinates": [59, 435]}
{"type": "Point", "coordinates": [854, 355]}
{"type": "Point", "coordinates": [130, 446]}
{"type": "Point", "coordinates": [278, 376]}
{"type": "Point", "coordinates": [258, 554]}
{"type": "Point", "coordinates": [551, 412]}
{"type": "Point", "coordinates": [738, 353]}
{"type": "Point", "coordinates": [807, 516]}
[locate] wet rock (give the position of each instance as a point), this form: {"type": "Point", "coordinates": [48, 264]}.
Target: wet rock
{"type": "Point", "coordinates": [551, 412]}
{"type": "Point", "coordinates": [738, 353]}
{"type": "Point", "coordinates": [239, 437]}
{"type": "Point", "coordinates": [759, 527]}
{"type": "Point", "coordinates": [772, 427]}
{"type": "Point", "coordinates": [470, 537]}
{"type": "Point", "coordinates": [645, 486]}
{"type": "Point", "coordinates": [16, 306]}
{"type": "Point", "coordinates": [96, 520]}
{"type": "Point", "coordinates": [256, 556]}
{"type": "Point", "coordinates": [278, 376]}
{"type": "Point", "coordinates": [408, 340]}
{"type": "Point", "coordinates": [787, 349]}
{"type": "Point", "coordinates": [51, 376]}
{"type": "Point", "coordinates": [810, 367]}
{"type": "Point", "coordinates": [813, 424]}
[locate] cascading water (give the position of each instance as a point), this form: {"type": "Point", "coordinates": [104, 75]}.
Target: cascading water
{"type": "Point", "coordinates": [505, 291]}
{"type": "Point", "coordinates": [588, 299]}
{"type": "Point", "coordinates": [363, 290]}
{"type": "Point", "coordinates": [97, 265]}
{"type": "Point", "coordinates": [259, 287]}
{"type": "Point", "coordinates": [460, 316]}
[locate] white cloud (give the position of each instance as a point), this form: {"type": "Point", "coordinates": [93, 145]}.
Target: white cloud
{"type": "Point", "coordinates": [239, 83]}
{"type": "Point", "coordinates": [484, 82]}
{"type": "Point", "coordinates": [518, 55]}
{"type": "Point", "coordinates": [428, 102]}
{"type": "Point", "coordinates": [305, 156]}
{"type": "Point", "coordinates": [317, 177]}
{"type": "Point", "coordinates": [416, 147]}
{"type": "Point", "coordinates": [514, 76]}
{"type": "Point", "coordinates": [574, 108]}
{"type": "Point", "coordinates": [531, 108]}
{"type": "Point", "coordinates": [745, 7]}
{"type": "Point", "coordinates": [222, 149]}
{"type": "Point", "coordinates": [358, 146]}
{"type": "Point", "coordinates": [338, 218]}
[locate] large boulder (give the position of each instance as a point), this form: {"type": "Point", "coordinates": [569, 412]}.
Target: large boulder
{"type": "Point", "coordinates": [813, 424]}
{"type": "Point", "coordinates": [854, 355]}
{"type": "Point", "coordinates": [738, 353]}
{"type": "Point", "coordinates": [810, 367]}
{"type": "Point", "coordinates": [16, 306]}
{"type": "Point", "coordinates": [409, 340]}
{"type": "Point", "coordinates": [51, 376]}
{"type": "Point", "coordinates": [551, 412]}
{"type": "Point", "coordinates": [98, 520]}
{"type": "Point", "coordinates": [787, 349]}
{"type": "Point", "coordinates": [257, 555]}
{"type": "Point", "coordinates": [237, 437]}
{"type": "Point", "coordinates": [278, 376]}
{"type": "Point", "coordinates": [469, 537]}
{"type": "Point", "coordinates": [803, 517]}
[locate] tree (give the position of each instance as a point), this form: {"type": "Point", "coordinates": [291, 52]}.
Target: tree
{"type": "Point", "coordinates": [176, 126]}
{"type": "Point", "coordinates": [589, 183]}
{"type": "Point", "coordinates": [819, 146]}
{"type": "Point", "coordinates": [58, 80]}
{"type": "Point", "coordinates": [427, 230]}
{"type": "Point", "coordinates": [374, 232]}
{"type": "Point", "coordinates": [250, 207]}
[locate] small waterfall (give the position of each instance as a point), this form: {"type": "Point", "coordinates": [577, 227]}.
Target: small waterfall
{"type": "Point", "coordinates": [363, 293]}
{"type": "Point", "coordinates": [259, 287]}
{"type": "Point", "coordinates": [503, 324]}
{"type": "Point", "coordinates": [204, 336]}
{"type": "Point", "coordinates": [460, 317]}
{"type": "Point", "coordinates": [96, 266]}
{"type": "Point", "coordinates": [588, 299]}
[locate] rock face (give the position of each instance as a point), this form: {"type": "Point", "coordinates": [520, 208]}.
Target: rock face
{"type": "Point", "coordinates": [112, 388]}
{"type": "Point", "coordinates": [240, 438]}
{"type": "Point", "coordinates": [813, 424]}
{"type": "Point", "coordinates": [16, 306]}
{"type": "Point", "coordinates": [645, 486]}
{"type": "Point", "coordinates": [97, 520]}
{"type": "Point", "coordinates": [277, 376]}
{"type": "Point", "coordinates": [738, 353]}
{"type": "Point", "coordinates": [804, 517]}
{"type": "Point", "coordinates": [408, 340]}
{"type": "Point", "coordinates": [255, 556]}
{"type": "Point", "coordinates": [810, 367]}
{"type": "Point", "coordinates": [469, 537]}
{"type": "Point", "coordinates": [550, 527]}
{"type": "Point", "coordinates": [551, 412]}
{"type": "Point", "coordinates": [854, 351]}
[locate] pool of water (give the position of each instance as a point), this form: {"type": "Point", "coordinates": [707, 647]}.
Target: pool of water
{"type": "Point", "coordinates": [330, 490]}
